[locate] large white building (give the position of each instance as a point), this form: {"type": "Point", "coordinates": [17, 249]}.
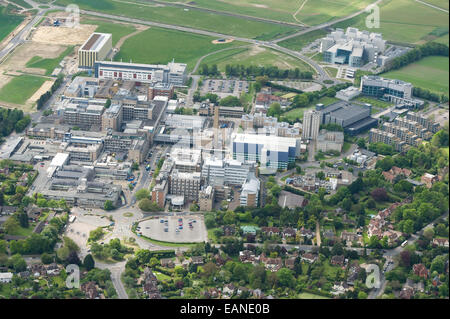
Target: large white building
{"type": "Point", "coordinates": [311, 124]}
{"type": "Point", "coordinates": [225, 172]}
{"type": "Point", "coordinates": [173, 73]}
{"type": "Point", "coordinates": [250, 192]}
{"type": "Point", "coordinates": [96, 48]}
{"type": "Point", "coordinates": [353, 47]}
{"type": "Point", "coordinates": [269, 150]}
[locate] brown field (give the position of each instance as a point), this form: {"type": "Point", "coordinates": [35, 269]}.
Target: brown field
{"type": "Point", "coordinates": [63, 36]}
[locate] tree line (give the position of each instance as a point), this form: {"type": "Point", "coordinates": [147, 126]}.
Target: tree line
{"type": "Point", "coordinates": [47, 95]}
{"type": "Point", "coordinates": [11, 120]}
{"type": "Point", "coordinates": [239, 70]}
{"type": "Point", "coordinates": [420, 52]}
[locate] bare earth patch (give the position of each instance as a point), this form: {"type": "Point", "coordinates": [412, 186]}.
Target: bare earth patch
{"type": "Point", "coordinates": [62, 35]}
{"type": "Point", "coordinates": [222, 42]}
{"type": "Point", "coordinates": [18, 61]}
{"type": "Point", "coordinates": [44, 88]}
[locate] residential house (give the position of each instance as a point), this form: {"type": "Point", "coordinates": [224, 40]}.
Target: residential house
{"type": "Point", "coordinates": [197, 260]}
{"type": "Point", "coordinates": [228, 230]}
{"type": "Point", "coordinates": [429, 179]}
{"type": "Point", "coordinates": [309, 258]}
{"type": "Point", "coordinates": [289, 232]}
{"type": "Point", "coordinates": [272, 264]}
{"type": "Point", "coordinates": [228, 290]}
{"type": "Point", "coordinates": [167, 262]}
{"type": "Point", "coordinates": [307, 233]}
{"type": "Point", "coordinates": [270, 231]}
{"type": "Point", "coordinates": [290, 262]}
{"type": "Point", "coordinates": [6, 277]}
{"type": "Point", "coordinates": [338, 260]}
{"type": "Point", "coordinates": [394, 172]}
{"type": "Point", "coordinates": [441, 242]}
{"type": "Point", "coordinates": [150, 286]}
{"type": "Point", "coordinates": [90, 289]}
{"type": "Point", "coordinates": [53, 269]}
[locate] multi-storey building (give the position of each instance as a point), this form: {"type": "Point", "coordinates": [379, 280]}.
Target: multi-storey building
{"type": "Point", "coordinates": [96, 48]}
{"type": "Point", "coordinates": [185, 184]}
{"type": "Point", "coordinates": [225, 172]}
{"type": "Point", "coordinates": [173, 73]}
{"type": "Point", "coordinates": [269, 151]}
{"type": "Point", "coordinates": [206, 199]}
{"type": "Point", "coordinates": [427, 123]}
{"type": "Point", "coordinates": [311, 124]}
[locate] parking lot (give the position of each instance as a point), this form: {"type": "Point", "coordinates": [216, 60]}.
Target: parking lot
{"type": "Point", "coordinates": [177, 229]}
{"type": "Point", "coordinates": [225, 88]}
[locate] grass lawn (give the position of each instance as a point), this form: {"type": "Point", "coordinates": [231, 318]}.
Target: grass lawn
{"type": "Point", "coordinates": [295, 114]}
{"type": "Point", "coordinates": [346, 147]}
{"type": "Point", "coordinates": [331, 71]}
{"type": "Point", "coordinates": [445, 150]}
{"type": "Point", "coordinates": [297, 43]}
{"type": "Point", "coordinates": [24, 231]}
{"type": "Point", "coordinates": [320, 11]}
{"type": "Point", "coordinates": [20, 88]}
{"type": "Point", "coordinates": [257, 56]}
{"type": "Point", "coordinates": [49, 65]}
{"type": "Point", "coordinates": [162, 277]}
{"type": "Point", "coordinates": [190, 18]}
{"type": "Point", "coordinates": [404, 21]}
{"type": "Point", "coordinates": [428, 73]}
{"type": "Point", "coordinates": [21, 3]}
{"type": "Point", "coordinates": [374, 102]}
{"type": "Point", "coordinates": [8, 22]}
{"type": "Point", "coordinates": [307, 295]}
{"type": "Point", "coordinates": [118, 30]}
{"type": "Point", "coordinates": [211, 235]}
{"type": "Point", "coordinates": [181, 46]}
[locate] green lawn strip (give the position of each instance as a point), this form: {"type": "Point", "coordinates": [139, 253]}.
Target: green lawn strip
{"type": "Point", "coordinates": [118, 30]}
{"type": "Point", "coordinates": [49, 65]}
{"type": "Point", "coordinates": [181, 46]}
{"type": "Point", "coordinates": [428, 73]}
{"type": "Point", "coordinates": [8, 22]}
{"type": "Point", "coordinates": [190, 18]}
{"type": "Point", "coordinates": [20, 88]}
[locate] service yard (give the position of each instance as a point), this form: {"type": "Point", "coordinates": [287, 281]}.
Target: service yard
{"type": "Point", "coordinates": [177, 229]}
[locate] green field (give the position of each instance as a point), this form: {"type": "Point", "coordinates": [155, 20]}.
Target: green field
{"type": "Point", "coordinates": [403, 21]}
{"type": "Point", "coordinates": [313, 11]}
{"type": "Point", "coordinates": [307, 295]}
{"type": "Point", "coordinates": [118, 30]}
{"type": "Point", "coordinates": [374, 102]}
{"type": "Point", "coordinates": [297, 43]}
{"type": "Point", "coordinates": [429, 73]}
{"type": "Point", "coordinates": [444, 4]}
{"type": "Point", "coordinates": [48, 64]}
{"type": "Point", "coordinates": [183, 47]}
{"type": "Point", "coordinates": [295, 114]}
{"type": "Point", "coordinates": [192, 18]}
{"type": "Point", "coordinates": [321, 11]}
{"type": "Point", "coordinates": [8, 22]}
{"type": "Point", "coordinates": [255, 56]}
{"type": "Point", "coordinates": [20, 88]}
{"type": "Point", "coordinates": [21, 3]}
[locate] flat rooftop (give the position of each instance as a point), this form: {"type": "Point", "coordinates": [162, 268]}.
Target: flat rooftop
{"type": "Point", "coordinates": [96, 41]}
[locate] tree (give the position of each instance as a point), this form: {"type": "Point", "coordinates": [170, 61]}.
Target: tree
{"type": "Point", "coordinates": [274, 110]}
{"type": "Point", "coordinates": [18, 263]}
{"type": "Point", "coordinates": [73, 258]}
{"type": "Point", "coordinates": [89, 262]}
{"type": "Point", "coordinates": [142, 193]}
{"type": "Point", "coordinates": [379, 195]}
{"type": "Point", "coordinates": [109, 205]}
{"type": "Point", "coordinates": [47, 258]}
{"type": "Point", "coordinates": [285, 277]}
{"type": "Point", "coordinates": [148, 206]}
{"type": "Point", "coordinates": [11, 226]}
